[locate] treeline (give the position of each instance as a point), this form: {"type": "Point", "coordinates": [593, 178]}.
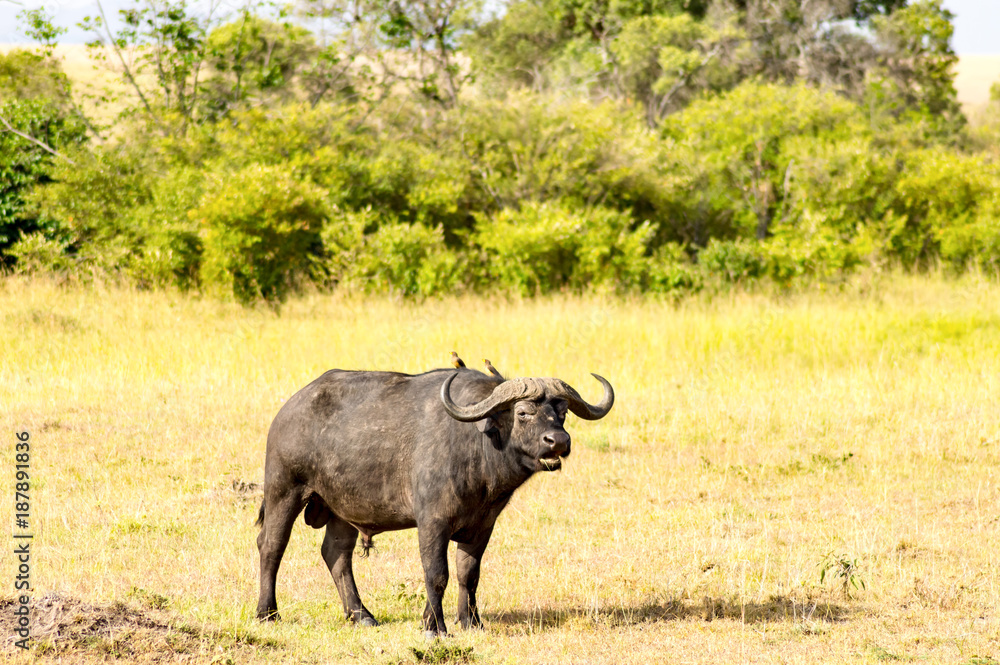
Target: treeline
{"type": "Point", "coordinates": [419, 147]}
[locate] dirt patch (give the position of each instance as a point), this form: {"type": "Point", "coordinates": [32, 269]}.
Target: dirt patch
{"type": "Point", "coordinates": [68, 629]}
{"type": "Point", "coordinates": [246, 489]}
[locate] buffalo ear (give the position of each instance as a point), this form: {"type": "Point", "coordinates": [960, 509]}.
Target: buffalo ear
{"type": "Point", "coordinates": [487, 425]}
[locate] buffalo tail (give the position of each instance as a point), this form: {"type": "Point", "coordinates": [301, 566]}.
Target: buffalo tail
{"type": "Point", "coordinates": [260, 515]}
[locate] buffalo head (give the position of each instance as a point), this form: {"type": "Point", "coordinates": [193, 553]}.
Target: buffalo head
{"type": "Point", "coordinates": [528, 415]}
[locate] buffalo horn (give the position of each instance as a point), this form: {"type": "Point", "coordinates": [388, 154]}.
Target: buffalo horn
{"type": "Point", "coordinates": [528, 388]}
{"type": "Point", "coordinates": [504, 394]}
{"type": "Point", "coordinates": [580, 408]}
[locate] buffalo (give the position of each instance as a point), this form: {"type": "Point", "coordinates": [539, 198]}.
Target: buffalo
{"type": "Point", "coordinates": [443, 451]}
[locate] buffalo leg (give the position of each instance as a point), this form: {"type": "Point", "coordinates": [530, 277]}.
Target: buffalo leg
{"type": "Point", "coordinates": [468, 558]}
{"type": "Point", "coordinates": [279, 516]}
{"type": "Point", "coordinates": [338, 553]}
{"type": "Point", "coordinates": [434, 557]}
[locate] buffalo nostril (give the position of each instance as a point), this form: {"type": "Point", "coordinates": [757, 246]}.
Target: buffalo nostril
{"type": "Point", "coordinates": [558, 441]}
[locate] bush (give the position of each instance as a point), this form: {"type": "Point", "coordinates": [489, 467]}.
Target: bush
{"type": "Point", "coordinates": [409, 259]}
{"type": "Point", "coordinates": [532, 148]}
{"type": "Point", "coordinates": [780, 260]}
{"type": "Point", "coordinates": [734, 261]}
{"type": "Point", "coordinates": [974, 239]}
{"type": "Point", "coordinates": [529, 194]}
{"type": "Point", "coordinates": [24, 164]}
{"type": "Point", "coordinates": [35, 253]}
{"type": "Point", "coordinates": [672, 272]}
{"type": "Point", "coordinates": [28, 76]}
{"type": "Point", "coordinates": [261, 232]}
{"type": "Point", "coordinates": [838, 186]}
{"type": "Point", "coordinates": [89, 207]}
{"type": "Point", "coordinates": [542, 247]}
{"type": "Point", "coordinates": [396, 172]}
{"type": "Point", "coordinates": [732, 158]}
{"type": "Point", "coordinates": [936, 191]}
{"type": "Point", "coordinates": [170, 249]}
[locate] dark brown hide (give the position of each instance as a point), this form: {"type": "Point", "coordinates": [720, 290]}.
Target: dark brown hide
{"type": "Point", "coordinates": [367, 452]}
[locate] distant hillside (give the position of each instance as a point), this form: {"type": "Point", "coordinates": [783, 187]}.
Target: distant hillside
{"type": "Point", "coordinates": [976, 73]}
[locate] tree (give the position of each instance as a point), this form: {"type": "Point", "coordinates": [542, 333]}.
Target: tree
{"type": "Point", "coordinates": [518, 49]}
{"type": "Point", "coordinates": [915, 74]}
{"type": "Point", "coordinates": [164, 40]}
{"type": "Point", "coordinates": [41, 74]}
{"type": "Point", "coordinates": [254, 59]}
{"type": "Point", "coordinates": [534, 37]}
{"type": "Point", "coordinates": [664, 61]}
{"type": "Point", "coordinates": [32, 131]}
{"type": "Point", "coordinates": [735, 147]}
{"type": "Point", "coordinates": [427, 32]}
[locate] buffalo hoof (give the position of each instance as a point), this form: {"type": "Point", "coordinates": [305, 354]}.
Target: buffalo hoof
{"type": "Point", "coordinates": [431, 635]}
{"type": "Point", "coordinates": [367, 622]}
{"type": "Point", "coordinates": [269, 616]}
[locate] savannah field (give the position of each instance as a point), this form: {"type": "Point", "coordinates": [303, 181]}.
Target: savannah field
{"type": "Point", "coordinates": [96, 78]}
{"type": "Point", "coordinates": [798, 478]}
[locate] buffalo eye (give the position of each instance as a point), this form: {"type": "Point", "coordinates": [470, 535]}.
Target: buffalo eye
{"type": "Point", "coordinates": [523, 415]}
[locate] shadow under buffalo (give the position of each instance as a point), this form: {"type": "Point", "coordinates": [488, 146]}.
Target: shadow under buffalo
{"type": "Point", "coordinates": [774, 609]}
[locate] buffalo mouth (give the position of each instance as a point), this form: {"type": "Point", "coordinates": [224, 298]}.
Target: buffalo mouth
{"type": "Point", "coordinates": [550, 462]}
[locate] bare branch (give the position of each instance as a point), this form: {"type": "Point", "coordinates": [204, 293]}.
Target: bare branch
{"type": "Point", "coordinates": [128, 70]}
{"type": "Point", "coordinates": [27, 137]}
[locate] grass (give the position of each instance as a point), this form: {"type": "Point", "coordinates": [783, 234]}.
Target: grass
{"type": "Point", "coordinates": [755, 440]}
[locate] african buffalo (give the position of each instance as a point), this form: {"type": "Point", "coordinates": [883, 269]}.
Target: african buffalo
{"type": "Point", "coordinates": [378, 451]}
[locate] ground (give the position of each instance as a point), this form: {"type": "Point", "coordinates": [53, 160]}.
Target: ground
{"type": "Point", "coordinates": [792, 477]}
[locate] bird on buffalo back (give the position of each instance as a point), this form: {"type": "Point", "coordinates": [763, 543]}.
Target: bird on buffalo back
{"type": "Point", "coordinates": [457, 362]}
{"type": "Point", "coordinates": [491, 369]}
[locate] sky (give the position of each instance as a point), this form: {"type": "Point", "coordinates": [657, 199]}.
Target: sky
{"type": "Point", "coordinates": [977, 22]}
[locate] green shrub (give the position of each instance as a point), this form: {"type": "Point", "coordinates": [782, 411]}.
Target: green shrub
{"type": "Point", "coordinates": [132, 223]}
{"type": "Point", "coordinates": [732, 158]}
{"type": "Point", "coordinates": [89, 206]}
{"type": "Point", "coordinates": [36, 253]}
{"type": "Point", "coordinates": [343, 238]}
{"type": "Point", "coordinates": [261, 232]}
{"type": "Point", "coordinates": [611, 253]}
{"type": "Point", "coordinates": [398, 173]}
{"type": "Point", "coordinates": [534, 148]}
{"type": "Point", "coordinates": [416, 182]}
{"type": "Point", "coordinates": [25, 75]}
{"type": "Point", "coordinates": [838, 186]}
{"type": "Point", "coordinates": [780, 260]}
{"type": "Point", "coordinates": [937, 190]}
{"type": "Point", "coordinates": [734, 261]}
{"type": "Point", "coordinates": [169, 247]}
{"type": "Point", "coordinates": [409, 259]}
{"type": "Point", "coordinates": [531, 250]}
{"type": "Point", "coordinates": [672, 272]}
{"type": "Point", "coordinates": [24, 164]}
{"type": "Point", "coordinates": [542, 247]}
{"type": "Point", "coordinates": [974, 240]}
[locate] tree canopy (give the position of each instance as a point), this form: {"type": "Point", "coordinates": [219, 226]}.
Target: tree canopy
{"type": "Point", "coordinates": [424, 146]}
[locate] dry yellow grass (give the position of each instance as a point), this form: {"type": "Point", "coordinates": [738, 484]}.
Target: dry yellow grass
{"type": "Point", "coordinates": [98, 84]}
{"type": "Point", "coordinates": [973, 78]}
{"type": "Point", "coordinates": [751, 438]}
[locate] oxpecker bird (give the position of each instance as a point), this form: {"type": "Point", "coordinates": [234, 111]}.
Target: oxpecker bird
{"type": "Point", "coordinates": [491, 369]}
{"type": "Point", "coordinates": [456, 361]}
